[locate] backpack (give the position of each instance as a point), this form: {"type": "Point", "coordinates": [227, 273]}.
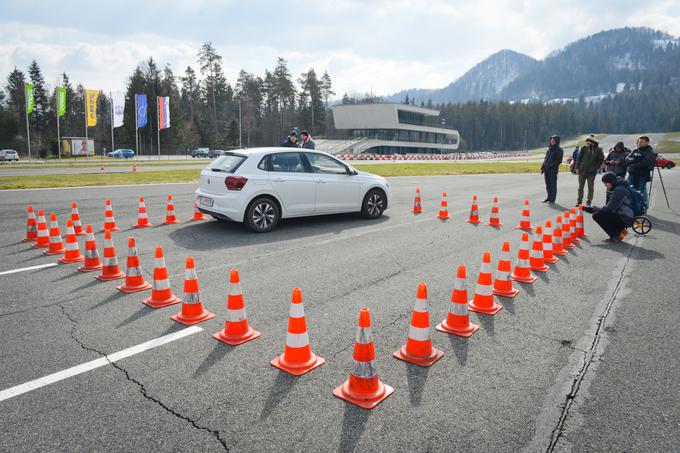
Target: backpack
{"type": "Point", "coordinates": [638, 203]}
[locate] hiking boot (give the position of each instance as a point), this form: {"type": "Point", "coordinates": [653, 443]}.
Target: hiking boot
{"type": "Point", "coordinates": [623, 234]}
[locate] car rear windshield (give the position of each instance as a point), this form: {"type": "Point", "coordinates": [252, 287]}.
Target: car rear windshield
{"type": "Point", "coordinates": [227, 163]}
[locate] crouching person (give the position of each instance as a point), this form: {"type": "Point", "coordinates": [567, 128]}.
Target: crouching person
{"type": "Point", "coordinates": [617, 215]}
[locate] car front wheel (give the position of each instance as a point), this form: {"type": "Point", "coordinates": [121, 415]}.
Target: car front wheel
{"type": "Point", "coordinates": [374, 204]}
{"type": "Point", "coordinates": [262, 215]}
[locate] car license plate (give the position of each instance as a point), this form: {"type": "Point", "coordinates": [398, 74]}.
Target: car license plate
{"type": "Point", "coordinates": [205, 201]}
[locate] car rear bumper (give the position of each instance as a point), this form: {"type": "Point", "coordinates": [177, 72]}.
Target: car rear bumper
{"type": "Point", "coordinates": [227, 207]}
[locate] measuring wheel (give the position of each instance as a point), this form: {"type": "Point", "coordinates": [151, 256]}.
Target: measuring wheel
{"type": "Point", "coordinates": [642, 225]}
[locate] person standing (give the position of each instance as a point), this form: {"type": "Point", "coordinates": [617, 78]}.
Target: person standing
{"type": "Point", "coordinates": [307, 142]}
{"type": "Point", "coordinates": [641, 163]}
{"type": "Point", "coordinates": [551, 167]}
{"type": "Point", "coordinates": [574, 156]}
{"type": "Point", "coordinates": [590, 158]}
{"type": "Point", "coordinates": [292, 141]}
{"type": "Point", "coordinates": [616, 159]}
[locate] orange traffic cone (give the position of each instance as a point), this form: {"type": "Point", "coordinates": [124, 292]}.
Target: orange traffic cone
{"type": "Point", "coordinates": [522, 272]}
{"type": "Point", "coordinates": [192, 307]}
{"type": "Point", "coordinates": [457, 321]}
{"type": "Point", "coordinates": [548, 246]}
{"type": "Point", "coordinates": [71, 250]}
{"type": "Point", "coordinates": [170, 217]}
{"type": "Point", "coordinates": [417, 204]}
{"type": "Point", "coordinates": [566, 231]}
{"type": "Point", "coordinates": [236, 329]}
{"type": "Point", "coordinates": [92, 262]}
{"type": "Point", "coordinates": [494, 220]}
{"type": "Point", "coordinates": [31, 226]}
{"type": "Point", "coordinates": [483, 302]}
{"type": "Point", "coordinates": [134, 278]}
{"type": "Point", "coordinates": [198, 215]}
{"type": "Point", "coordinates": [56, 246]}
{"type": "Point", "coordinates": [536, 260]}
{"type": "Point", "coordinates": [558, 244]}
{"type": "Point", "coordinates": [110, 268]}
{"type": "Point", "coordinates": [142, 217]}
{"type": "Point", "coordinates": [42, 239]}
{"type": "Point", "coordinates": [525, 222]}
{"type": "Point", "coordinates": [444, 209]}
{"type": "Point", "coordinates": [580, 230]}
{"type": "Point", "coordinates": [363, 388]}
{"type": "Point", "coordinates": [502, 283]}
{"type": "Point", "coordinates": [474, 211]}
{"type": "Point", "coordinates": [298, 357]}
{"type": "Point", "coordinates": [75, 216]}
{"type": "Point", "coordinates": [418, 349]}
{"type": "Point", "coordinates": [161, 293]}
{"type": "Point", "coordinates": [572, 224]}
{"type": "Point", "coordinates": [109, 219]}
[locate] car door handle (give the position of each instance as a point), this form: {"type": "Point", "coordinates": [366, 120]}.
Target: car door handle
{"type": "Point", "coordinates": [321, 181]}
{"type": "Point", "coordinates": [279, 180]}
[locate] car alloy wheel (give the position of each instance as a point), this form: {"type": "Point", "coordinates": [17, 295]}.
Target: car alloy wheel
{"type": "Point", "coordinates": [263, 215]}
{"type": "Point", "coordinates": [374, 204]}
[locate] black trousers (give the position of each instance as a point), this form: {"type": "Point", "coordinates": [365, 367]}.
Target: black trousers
{"type": "Point", "coordinates": [610, 222]}
{"type": "Point", "coordinates": [551, 184]}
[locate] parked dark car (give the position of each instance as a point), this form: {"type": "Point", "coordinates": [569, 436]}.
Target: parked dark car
{"type": "Point", "coordinates": [121, 154]}
{"type": "Point", "coordinates": [200, 152]}
{"type": "Point", "coordinates": [663, 162]}
{"type": "Point", "coordinates": [214, 153]}
{"type": "Point", "coordinates": [9, 155]}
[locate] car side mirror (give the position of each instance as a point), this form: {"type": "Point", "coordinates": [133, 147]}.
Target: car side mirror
{"type": "Point", "coordinates": [351, 172]}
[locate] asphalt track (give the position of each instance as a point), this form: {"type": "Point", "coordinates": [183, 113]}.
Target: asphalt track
{"type": "Point", "coordinates": [584, 360]}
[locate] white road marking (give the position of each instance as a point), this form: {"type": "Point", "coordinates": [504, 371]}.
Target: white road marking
{"type": "Point", "coordinates": [32, 268]}
{"type": "Point", "coordinates": [89, 366]}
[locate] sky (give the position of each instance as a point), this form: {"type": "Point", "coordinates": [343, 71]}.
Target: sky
{"type": "Point", "coordinates": [378, 46]}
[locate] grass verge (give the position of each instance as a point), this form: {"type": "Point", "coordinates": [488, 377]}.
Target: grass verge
{"type": "Point", "coordinates": [669, 143]}
{"type": "Point", "coordinates": [453, 168]}
{"type": "Point", "coordinates": [107, 164]}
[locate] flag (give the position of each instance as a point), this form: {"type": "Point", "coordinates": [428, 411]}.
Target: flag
{"type": "Point", "coordinates": [118, 106]}
{"type": "Point", "coordinates": [29, 98]}
{"type": "Point", "coordinates": [61, 101]}
{"type": "Point", "coordinates": [163, 112]}
{"type": "Point", "coordinates": [91, 96]}
{"type": "Point", "coordinates": [141, 110]}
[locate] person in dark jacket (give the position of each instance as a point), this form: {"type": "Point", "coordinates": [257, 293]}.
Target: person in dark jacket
{"type": "Point", "coordinates": [574, 156]}
{"type": "Point", "coordinates": [307, 142]}
{"type": "Point", "coordinates": [292, 141]}
{"type": "Point", "coordinates": [641, 162]}
{"type": "Point", "coordinates": [617, 215]}
{"type": "Point", "coordinates": [616, 159]}
{"type": "Point", "coordinates": [551, 167]}
{"type": "Point", "coordinates": [589, 160]}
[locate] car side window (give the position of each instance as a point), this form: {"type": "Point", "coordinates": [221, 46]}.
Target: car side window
{"type": "Point", "coordinates": [286, 162]}
{"type": "Point", "coordinates": [324, 164]}
{"type": "Point", "coordinates": [264, 164]}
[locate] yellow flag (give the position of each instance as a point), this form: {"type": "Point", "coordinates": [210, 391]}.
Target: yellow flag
{"type": "Point", "coordinates": [91, 97]}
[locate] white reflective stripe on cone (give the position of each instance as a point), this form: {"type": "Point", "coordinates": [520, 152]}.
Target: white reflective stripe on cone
{"type": "Point", "coordinates": [235, 289]}
{"type": "Point", "coordinates": [55, 239]}
{"type": "Point", "coordinates": [364, 335]}
{"type": "Point", "coordinates": [484, 290]}
{"type": "Point", "coordinates": [32, 228]}
{"type": "Point", "coordinates": [236, 315]}
{"type": "Point", "coordinates": [419, 333]}
{"type": "Point", "coordinates": [110, 261]}
{"type": "Point", "coordinates": [557, 239]}
{"type": "Point", "coordinates": [134, 271]}
{"type": "Point", "coordinates": [192, 298]}
{"type": "Point", "coordinates": [297, 340]}
{"type": "Point", "coordinates": [158, 263]}
{"type": "Point", "coordinates": [190, 274]}
{"type": "Point", "coordinates": [159, 285]}
{"type": "Point", "coordinates": [70, 246]}
{"type": "Point", "coordinates": [43, 233]}
{"type": "Point", "coordinates": [460, 284]}
{"type": "Point", "coordinates": [91, 253]}
{"type": "Point", "coordinates": [296, 311]}
{"type": "Point", "coordinates": [142, 215]}
{"type": "Point", "coordinates": [458, 309]}
{"type": "Point", "coordinates": [502, 275]}
{"type": "Point", "coordinates": [364, 370]}
{"type": "Point", "coordinates": [536, 253]}
{"type": "Point", "coordinates": [421, 305]}
{"type": "Point", "coordinates": [547, 246]}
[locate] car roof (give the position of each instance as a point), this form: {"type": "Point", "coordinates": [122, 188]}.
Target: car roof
{"type": "Point", "coordinates": [256, 152]}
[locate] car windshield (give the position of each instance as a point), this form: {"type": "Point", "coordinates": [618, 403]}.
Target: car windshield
{"type": "Point", "coordinates": [227, 163]}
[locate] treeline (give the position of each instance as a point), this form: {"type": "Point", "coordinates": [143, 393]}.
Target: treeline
{"type": "Point", "coordinates": [204, 107]}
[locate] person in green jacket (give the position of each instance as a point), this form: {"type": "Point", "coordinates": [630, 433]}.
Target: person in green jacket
{"type": "Point", "coordinates": [589, 160]}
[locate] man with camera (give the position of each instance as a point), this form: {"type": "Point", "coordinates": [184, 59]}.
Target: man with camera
{"type": "Point", "coordinates": [640, 164]}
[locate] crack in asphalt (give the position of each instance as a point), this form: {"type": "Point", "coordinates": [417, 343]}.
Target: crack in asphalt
{"type": "Point", "coordinates": [142, 389]}
{"type": "Point", "coordinates": [588, 356]}
{"type": "Point", "coordinates": [563, 342]}
{"type": "Point", "coordinates": [38, 307]}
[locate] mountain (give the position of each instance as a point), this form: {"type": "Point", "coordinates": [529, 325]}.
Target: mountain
{"type": "Point", "coordinates": [486, 80]}
{"type": "Point", "coordinates": [602, 65]}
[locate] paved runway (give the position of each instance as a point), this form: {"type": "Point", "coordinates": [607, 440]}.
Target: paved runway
{"type": "Point", "coordinates": [586, 358]}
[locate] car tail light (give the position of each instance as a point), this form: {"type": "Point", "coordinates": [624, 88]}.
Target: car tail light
{"type": "Point", "coordinates": [235, 182]}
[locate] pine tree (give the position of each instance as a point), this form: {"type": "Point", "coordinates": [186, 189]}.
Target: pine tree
{"type": "Point", "coordinates": [211, 68]}
{"type": "Point", "coordinates": [39, 117]}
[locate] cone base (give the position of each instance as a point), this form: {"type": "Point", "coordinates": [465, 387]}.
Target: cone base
{"type": "Point", "coordinates": [196, 219]}
{"type": "Point", "coordinates": [570, 246]}
{"type": "Point", "coordinates": [29, 240]}
{"type": "Point", "coordinates": [90, 269]}
{"type": "Point", "coordinates": [191, 321]}
{"type": "Point", "coordinates": [543, 268]}
{"type": "Point", "coordinates": [143, 225]}
{"type": "Point", "coordinates": [299, 369]}
{"type": "Point", "coordinates": [383, 392]}
{"type": "Point", "coordinates": [417, 212]}
{"type": "Point", "coordinates": [443, 217]}
{"type": "Point", "coordinates": [424, 362]}
{"type": "Point", "coordinates": [494, 224]}
{"type": "Point", "coordinates": [576, 241]}
{"type": "Point", "coordinates": [525, 228]}
{"type": "Point", "coordinates": [473, 221]}
{"type": "Point", "coordinates": [490, 310]}
{"type": "Point", "coordinates": [134, 289]}
{"type": "Point", "coordinates": [527, 279]}
{"type": "Point", "coordinates": [509, 293]}
{"type": "Point", "coordinates": [110, 229]}
{"type": "Point", "coordinates": [162, 303]}
{"type": "Point", "coordinates": [465, 333]}
{"type": "Point", "coordinates": [82, 233]}
{"type": "Point", "coordinates": [71, 260]}
{"type": "Point", "coordinates": [40, 246]}
{"type": "Point", "coordinates": [560, 253]}
{"type": "Point", "coordinates": [54, 252]}
{"type": "Point", "coordinates": [170, 222]}
{"type": "Point", "coordinates": [235, 341]}
{"type": "Point", "coordinates": [582, 235]}
{"type": "Point", "coordinates": [552, 260]}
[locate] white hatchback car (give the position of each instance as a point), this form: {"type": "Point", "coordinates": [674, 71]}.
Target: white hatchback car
{"type": "Point", "coordinates": [260, 186]}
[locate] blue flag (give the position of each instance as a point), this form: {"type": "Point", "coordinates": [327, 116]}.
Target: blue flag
{"type": "Point", "coordinates": [141, 110]}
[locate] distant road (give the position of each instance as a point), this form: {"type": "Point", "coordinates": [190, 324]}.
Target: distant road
{"type": "Point", "coordinates": [96, 170]}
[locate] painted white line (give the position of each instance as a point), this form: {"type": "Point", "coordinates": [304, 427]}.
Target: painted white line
{"type": "Point", "coordinates": [89, 366]}
{"type": "Point", "coordinates": [32, 268]}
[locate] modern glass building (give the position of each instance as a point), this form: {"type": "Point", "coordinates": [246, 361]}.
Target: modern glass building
{"type": "Point", "coordinates": [394, 129]}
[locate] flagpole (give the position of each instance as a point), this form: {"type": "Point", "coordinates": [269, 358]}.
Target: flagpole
{"type": "Point", "coordinates": [136, 128]}
{"type": "Point", "coordinates": [158, 128]}
{"type": "Point", "coordinates": [113, 144]}
{"type": "Point", "coordinates": [58, 134]}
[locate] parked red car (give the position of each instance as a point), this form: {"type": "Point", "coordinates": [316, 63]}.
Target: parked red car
{"type": "Point", "coordinates": [663, 162]}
